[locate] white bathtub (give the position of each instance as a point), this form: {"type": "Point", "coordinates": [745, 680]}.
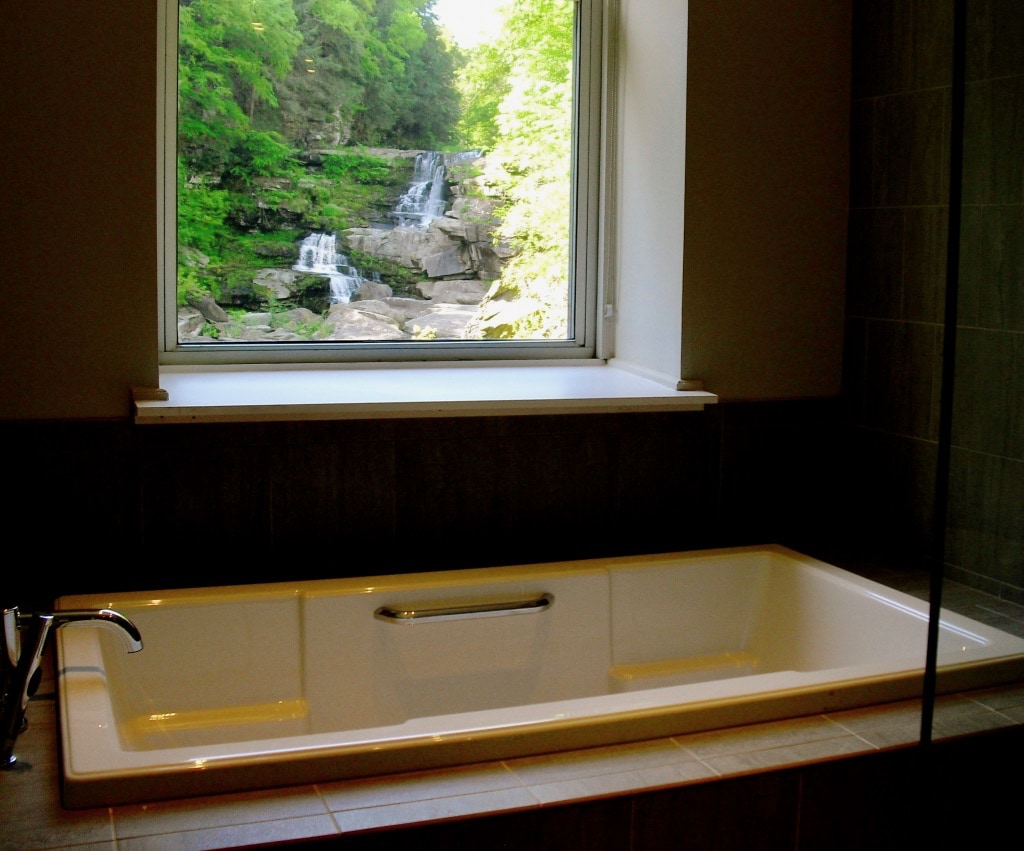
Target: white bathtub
{"type": "Point", "coordinates": [287, 683]}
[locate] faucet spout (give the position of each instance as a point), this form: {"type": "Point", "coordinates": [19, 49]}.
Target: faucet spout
{"type": "Point", "coordinates": [23, 640]}
{"type": "Point", "coordinates": [107, 618]}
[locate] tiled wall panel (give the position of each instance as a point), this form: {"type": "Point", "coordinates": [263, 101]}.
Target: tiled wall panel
{"type": "Point", "coordinates": [901, 116]}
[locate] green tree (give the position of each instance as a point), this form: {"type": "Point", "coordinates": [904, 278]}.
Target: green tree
{"type": "Point", "coordinates": [410, 99]}
{"type": "Point", "coordinates": [533, 147]}
{"type": "Point", "coordinates": [230, 54]}
{"type": "Point", "coordinates": [430, 106]}
{"type": "Point", "coordinates": [483, 85]}
{"type": "Point", "coordinates": [323, 92]}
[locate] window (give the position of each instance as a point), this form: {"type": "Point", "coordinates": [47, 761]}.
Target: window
{"type": "Point", "coordinates": [344, 182]}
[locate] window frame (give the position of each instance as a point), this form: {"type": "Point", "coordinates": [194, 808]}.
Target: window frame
{"type": "Point", "coordinates": [589, 177]}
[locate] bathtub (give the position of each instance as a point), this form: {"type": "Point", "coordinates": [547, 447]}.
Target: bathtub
{"type": "Point", "coordinates": [256, 686]}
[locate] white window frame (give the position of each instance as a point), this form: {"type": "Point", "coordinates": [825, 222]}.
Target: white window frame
{"type": "Point", "coordinates": [634, 251]}
{"type": "Point", "coordinates": [585, 288]}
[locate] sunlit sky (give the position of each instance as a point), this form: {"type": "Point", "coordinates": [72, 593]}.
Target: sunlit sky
{"type": "Point", "coordinates": [469, 21]}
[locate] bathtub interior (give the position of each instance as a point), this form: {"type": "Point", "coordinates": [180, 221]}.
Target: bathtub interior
{"type": "Point", "coordinates": [269, 673]}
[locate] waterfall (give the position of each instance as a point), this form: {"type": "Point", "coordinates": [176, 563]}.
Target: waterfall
{"type": "Point", "coordinates": [424, 200]}
{"type": "Point", "coordinates": [318, 255]}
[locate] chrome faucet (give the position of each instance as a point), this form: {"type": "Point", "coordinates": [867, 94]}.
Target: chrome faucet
{"type": "Point", "coordinates": [22, 642]}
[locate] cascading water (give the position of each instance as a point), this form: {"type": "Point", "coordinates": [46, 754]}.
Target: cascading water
{"type": "Point", "coordinates": [424, 200]}
{"type": "Point", "coordinates": [318, 255]}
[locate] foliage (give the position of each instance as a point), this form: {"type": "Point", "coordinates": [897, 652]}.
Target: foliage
{"type": "Point", "coordinates": [533, 143]}
{"type": "Point", "coordinates": [201, 215]}
{"type": "Point", "coordinates": [361, 168]}
{"type": "Point", "coordinates": [483, 84]}
{"type": "Point", "coordinates": [263, 83]}
{"type": "Point", "coordinates": [260, 154]}
{"type": "Point", "coordinates": [226, 66]}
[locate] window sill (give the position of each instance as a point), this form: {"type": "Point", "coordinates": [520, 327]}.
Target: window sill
{"type": "Point", "coordinates": [313, 392]}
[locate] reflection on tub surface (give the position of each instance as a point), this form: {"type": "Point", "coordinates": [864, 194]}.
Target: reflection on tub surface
{"type": "Point", "coordinates": [262, 685]}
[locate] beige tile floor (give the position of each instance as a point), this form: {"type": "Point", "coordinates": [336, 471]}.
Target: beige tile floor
{"type": "Point", "coordinates": [31, 818]}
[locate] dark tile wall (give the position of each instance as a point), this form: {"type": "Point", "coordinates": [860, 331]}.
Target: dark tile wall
{"type": "Point", "coordinates": [147, 507]}
{"type": "Point", "coordinates": [901, 118]}
{"type": "Point", "coordinates": [986, 539]}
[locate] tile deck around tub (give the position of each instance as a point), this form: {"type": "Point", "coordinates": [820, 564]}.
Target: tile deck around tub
{"type": "Point", "coordinates": [33, 820]}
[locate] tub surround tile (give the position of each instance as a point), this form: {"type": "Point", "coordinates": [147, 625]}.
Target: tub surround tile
{"type": "Point", "coordinates": [597, 772]}
{"type": "Point", "coordinates": [548, 796]}
{"type": "Point", "coordinates": [233, 836]}
{"type": "Point", "coordinates": [788, 755]}
{"type": "Point", "coordinates": [893, 478]}
{"type": "Point", "coordinates": [217, 811]}
{"type": "Point", "coordinates": [925, 238]}
{"type": "Point", "coordinates": [1002, 622]}
{"type": "Point", "coordinates": [994, 141]}
{"type": "Point", "coordinates": [758, 737]}
{"type": "Point", "coordinates": [1007, 703]}
{"type": "Point", "coordinates": [602, 785]}
{"type": "Point", "coordinates": [903, 370]}
{"type": "Point", "coordinates": [31, 816]}
{"type": "Point", "coordinates": [984, 521]}
{"type": "Point", "coordinates": [954, 715]}
{"type": "Point", "coordinates": [1014, 714]}
{"type": "Point", "coordinates": [48, 842]}
{"type": "Point", "coordinates": [1002, 698]}
{"type": "Point", "coordinates": [875, 263]}
{"type": "Point", "coordinates": [1005, 615]}
{"type": "Point", "coordinates": [36, 833]}
{"type": "Point", "coordinates": [962, 717]}
{"type": "Point", "coordinates": [990, 378]}
{"type": "Point", "coordinates": [992, 267]}
{"type": "Point", "coordinates": [417, 786]}
{"type": "Point", "coordinates": [910, 148]}
{"type": "Point", "coordinates": [434, 809]}
{"type": "Point", "coordinates": [903, 46]}
{"type": "Point", "coordinates": [1005, 608]}
{"type": "Point", "coordinates": [996, 29]}
{"type": "Point", "coordinates": [899, 724]}
{"type": "Point", "coordinates": [590, 762]}
{"type": "Point", "coordinates": [530, 785]}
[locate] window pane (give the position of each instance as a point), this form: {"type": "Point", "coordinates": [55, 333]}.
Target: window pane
{"type": "Point", "coordinates": [359, 174]}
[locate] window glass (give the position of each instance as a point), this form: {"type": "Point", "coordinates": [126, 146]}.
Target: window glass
{"type": "Point", "coordinates": [379, 179]}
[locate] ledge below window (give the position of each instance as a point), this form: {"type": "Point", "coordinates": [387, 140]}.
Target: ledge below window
{"type": "Point", "coordinates": [263, 394]}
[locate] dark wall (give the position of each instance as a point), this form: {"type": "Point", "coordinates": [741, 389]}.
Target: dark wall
{"type": "Point", "coordinates": [78, 178]}
{"type": "Point", "coordinates": [899, 223]}
{"type": "Point", "coordinates": [148, 507]}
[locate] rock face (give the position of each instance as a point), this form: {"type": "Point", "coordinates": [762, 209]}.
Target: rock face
{"type": "Point", "coordinates": [456, 257]}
